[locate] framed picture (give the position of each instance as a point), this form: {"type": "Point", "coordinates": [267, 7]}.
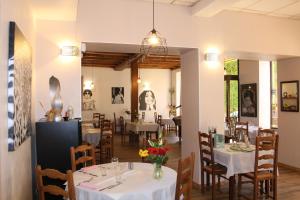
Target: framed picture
{"type": "Point", "coordinates": [19, 88]}
{"type": "Point", "coordinates": [248, 100]}
{"type": "Point", "coordinates": [289, 96]}
{"type": "Point", "coordinates": [117, 95]}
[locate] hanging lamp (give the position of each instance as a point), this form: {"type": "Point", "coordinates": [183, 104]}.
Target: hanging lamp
{"type": "Point", "coordinates": [154, 43]}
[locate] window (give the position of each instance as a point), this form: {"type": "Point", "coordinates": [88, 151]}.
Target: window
{"type": "Point", "coordinates": [231, 87]}
{"type": "Point", "coordinates": [274, 95]}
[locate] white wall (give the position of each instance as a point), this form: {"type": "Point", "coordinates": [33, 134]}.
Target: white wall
{"type": "Point", "coordinates": [288, 122]}
{"type": "Point", "coordinates": [249, 73]}
{"type": "Point", "coordinates": [264, 100]}
{"type": "Point", "coordinates": [157, 80]}
{"type": "Point", "coordinates": [50, 36]}
{"type": "Point", "coordinates": [15, 167]}
{"type": "Point", "coordinates": [190, 106]}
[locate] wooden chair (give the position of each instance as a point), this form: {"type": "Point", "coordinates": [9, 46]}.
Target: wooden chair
{"type": "Point", "coordinates": [208, 164]}
{"type": "Point", "coordinates": [143, 115]}
{"type": "Point", "coordinates": [266, 132]}
{"type": "Point", "coordinates": [106, 146]}
{"type": "Point", "coordinates": [86, 156]}
{"type": "Point", "coordinates": [96, 120]}
{"type": "Point", "coordinates": [116, 124]}
{"type": "Point", "coordinates": [241, 130]}
{"type": "Point", "coordinates": [184, 181]}
{"type": "Point", "coordinates": [265, 167]}
{"type": "Point", "coordinates": [101, 119]}
{"type": "Point", "coordinates": [53, 189]}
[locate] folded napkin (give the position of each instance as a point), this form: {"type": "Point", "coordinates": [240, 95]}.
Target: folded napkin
{"type": "Point", "coordinates": [88, 186]}
{"type": "Point", "coordinates": [86, 169]}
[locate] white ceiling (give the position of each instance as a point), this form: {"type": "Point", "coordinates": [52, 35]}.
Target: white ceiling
{"type": "Point", "coordinates": [179, 2]}
{"type": "Point", "coordinates": [278, 8]}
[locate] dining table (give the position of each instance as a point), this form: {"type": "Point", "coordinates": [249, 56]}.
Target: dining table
{"type": "Point", "coordinates": [98, 182]}
{"type": "Point", "coordinates": [90, 134]}
{"type": "Point", "coordinates": [138, 127]}
{"type": "Point", "coordinates": [238, 159]}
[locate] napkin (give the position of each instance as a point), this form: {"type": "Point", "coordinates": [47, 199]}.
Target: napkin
{"type": "Point", "coordinates": [88, 186]}
{"type": "Point", "coordinates": [86, 169]}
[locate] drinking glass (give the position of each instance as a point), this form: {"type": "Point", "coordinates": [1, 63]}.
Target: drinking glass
{"type": "Point", "coordinates": [103, 171]}
{"type": "Point", "coordinates": [116, 169]}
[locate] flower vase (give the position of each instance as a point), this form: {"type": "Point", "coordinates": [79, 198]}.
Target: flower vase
{"type": "Point", "coordinates": [157, 173]}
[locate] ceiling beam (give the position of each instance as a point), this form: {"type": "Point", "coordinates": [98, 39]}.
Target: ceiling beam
{"type": "Point", "coordinates": [209, 8]}
{"type": "Point", "coordinates": [127, 63]}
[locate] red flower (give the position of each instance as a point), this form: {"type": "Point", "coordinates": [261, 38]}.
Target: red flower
{"type": "Point", "coordinates": [158, 151]}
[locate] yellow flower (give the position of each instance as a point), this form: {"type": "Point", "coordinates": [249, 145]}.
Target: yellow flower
{"type": "Point", "coordinates": [143, 153]}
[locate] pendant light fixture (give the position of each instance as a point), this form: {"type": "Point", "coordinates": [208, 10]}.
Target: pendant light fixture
{"type": "Point", "coordinates": [139, 80]}
{"type": "Point", "coordinates": [154, 43]}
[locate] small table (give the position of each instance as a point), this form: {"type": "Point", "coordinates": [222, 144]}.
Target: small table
{"type": "Point", "coordinates": [136, 184]}
{"type": "Point", "coordinates": [91, 134]}
{"type": "Point", "coordinates": [237, 162]}
{"type": "Point", "coordinates": [144, 127]}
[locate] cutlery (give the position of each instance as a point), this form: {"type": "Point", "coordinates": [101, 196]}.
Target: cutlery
{"type": "Point", "coordinates": [109, 187]}
{"type": "Point", "coordinates": [88, 173]}
{"type": "Point", "coordinates": [86, 181]}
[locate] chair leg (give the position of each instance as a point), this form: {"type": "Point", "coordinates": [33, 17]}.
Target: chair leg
{"type": "Point", "coordinates": [213, 186]}
{"type": "Point", "coordinates": [267, 187]}
{"type": "Point", "coordinates": [202, 182]}
{"type": "Point", "coordinates": [274, 187]}
{"type": "Point", "coordinates": [255, 193]}
{"type": "Point", "coordinates": [207, 180]}
{"type": "Point", "coordinates": [239, 186]}
{"type": "Point", "coordinates": [219, 183]}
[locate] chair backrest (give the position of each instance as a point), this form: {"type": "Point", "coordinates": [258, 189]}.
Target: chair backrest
{"type": "Point", "coordinates": [159, 119]}
{"type": "Point", "coordinates": [240, 124]}
{"type": "Point", "coordinates": [82, 155]}
{"type": "Point", "coordinates": [101, 119]}
{"type": "Point", "coordinates": [266, 132]}
{"type": "Point", "coordinates": [106, 125]}
{"type": "Point", "coordinates": [96, 115]}
{"type": "Point", "coordinates": [143, 115]}
{"type": "Point", "coordinates": [185, 174]}
{"type": "Point", "coordinates": [266, 154]}
{"type": "Point", "coordinates": [206, 149]}
{"type": "Point", "coordinates": [53, 189]}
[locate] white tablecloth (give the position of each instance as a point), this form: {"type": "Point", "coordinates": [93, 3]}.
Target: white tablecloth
{"type": "Point", "coordinates": [236, 162]}
{"type": "Point", "coordinates": [91, 134]}
{"type": "Point", "coordinates": [169, 122]}
{"type": "Point", "coordinates": [141, 126]}
{"type": "Point", "coordinates": [137, 184]}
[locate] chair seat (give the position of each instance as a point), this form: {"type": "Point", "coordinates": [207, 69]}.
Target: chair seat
{"type": "Point", "coordinates": [262, 175]}
{"type": "Point", "coordinates": [218, 169]}
{"type": "Point", "coordinates": [107, 132]}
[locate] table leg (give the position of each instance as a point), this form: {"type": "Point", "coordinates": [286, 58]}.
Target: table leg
{"type": "Point", "coordinates": [231, 187]}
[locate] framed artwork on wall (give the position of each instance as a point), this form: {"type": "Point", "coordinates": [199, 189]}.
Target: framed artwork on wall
{"type": "Point", "coordinates": [248, 100]}
{"type": "Point", "coordinates": [19, 88]}
{"type": "Point", "coordinates": [147, 101]}
{"type": "Point", "coordinates": [117, 95]}
{"type": "Point", "coordinates": [289, 96]}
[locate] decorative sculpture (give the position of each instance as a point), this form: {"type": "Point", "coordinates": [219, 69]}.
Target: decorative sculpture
{"type": "Point", "coordinates": [56, 102]}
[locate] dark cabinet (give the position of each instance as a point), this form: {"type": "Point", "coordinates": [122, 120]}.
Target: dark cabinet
{"type": "Point", "coordinates": [53, 142]}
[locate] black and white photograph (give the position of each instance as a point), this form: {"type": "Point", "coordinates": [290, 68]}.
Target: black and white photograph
{"type": "Point", "coordinates": [248, 100]}
{"type": "Point", "coordinates": [117, 94]}
{"type": "Point", "coordinates": [19, 88]}
{"type": "Point", "coordinates": [147, 101]}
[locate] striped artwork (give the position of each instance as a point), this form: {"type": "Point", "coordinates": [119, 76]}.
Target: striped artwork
{"type": "Point", "coordinates": [19, 88]}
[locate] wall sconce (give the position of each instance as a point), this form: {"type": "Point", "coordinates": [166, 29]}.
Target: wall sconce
{"type": "Point", "coordinates": [69, 51]}
{"type": "Point", "coordinates": [211, 57]}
